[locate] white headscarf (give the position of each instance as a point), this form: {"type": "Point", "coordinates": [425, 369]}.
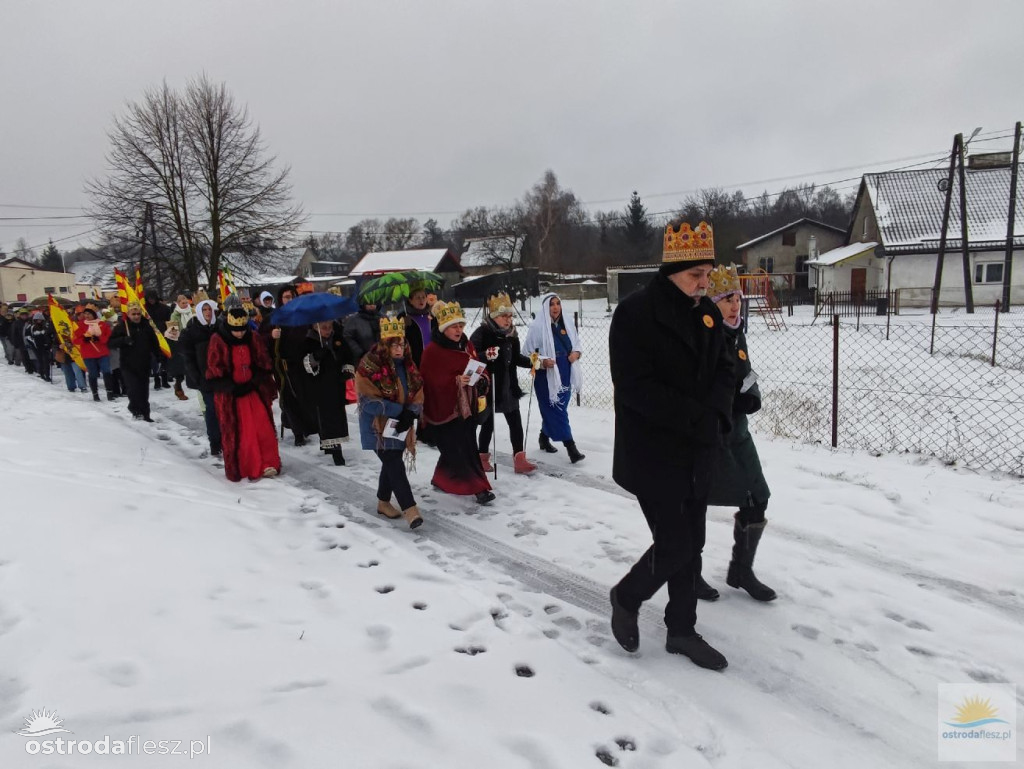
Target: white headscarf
{"type": "Point", "coordinates": [199, 312]}
{"type": "Point", "coordinates": [267, 295]}
{"type": "Point", "coordinates": [539, 337]}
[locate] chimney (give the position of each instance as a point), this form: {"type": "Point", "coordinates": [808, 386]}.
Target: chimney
{"type": "Point", "coordinates": [812, 247]}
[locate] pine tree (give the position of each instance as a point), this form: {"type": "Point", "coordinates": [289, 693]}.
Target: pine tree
{"type": "Point", "coordinates": [638, 228]}
{"type": "Point", "coordinates": [50, 259]}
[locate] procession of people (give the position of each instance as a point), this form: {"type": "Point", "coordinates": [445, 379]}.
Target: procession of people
{"type": "Point", "coordinates": [683, 389]}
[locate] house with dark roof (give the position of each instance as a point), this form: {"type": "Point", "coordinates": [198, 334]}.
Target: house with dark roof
{"type": "Point", "coordinates": [895, 230]}
{"type": "Point", "coordinates": [787, 249]}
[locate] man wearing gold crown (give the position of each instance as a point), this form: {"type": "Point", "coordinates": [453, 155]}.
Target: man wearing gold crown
{"type": "Point", "coordinates": [673, 379]}
{"type": "Point", "coordinates": [496, 340]}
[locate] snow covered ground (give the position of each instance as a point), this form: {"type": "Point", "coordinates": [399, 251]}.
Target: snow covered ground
{"type": "Point", "coordinates": [283, 624]}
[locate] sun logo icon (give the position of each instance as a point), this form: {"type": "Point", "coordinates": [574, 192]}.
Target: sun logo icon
{"type": "Point", "coordinates": [974, 711]}
{"type": "Point", "coordinates": [39, 723]}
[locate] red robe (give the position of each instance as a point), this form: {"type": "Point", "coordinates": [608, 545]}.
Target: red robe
{"type": "Point", "coordinates": [246, 421]}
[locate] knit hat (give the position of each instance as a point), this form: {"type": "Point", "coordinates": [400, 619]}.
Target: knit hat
{"type": "Point", "coordinates": [723, 281]}
{"type": "Point", "coordinates": [91, 309]}
{"type": "Point", "coordinates": [447, 314]}
{"type": "Point", "coordinates": [687, 248]}
{"type": "Point", "coordinates": [37, 315]}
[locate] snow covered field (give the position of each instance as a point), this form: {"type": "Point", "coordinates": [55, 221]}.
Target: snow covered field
{"type": "Point", "coordinates": [285, 625]}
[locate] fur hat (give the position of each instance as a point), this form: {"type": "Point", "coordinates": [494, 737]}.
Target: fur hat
{"type": "Point", "coordinates": [687, 248]}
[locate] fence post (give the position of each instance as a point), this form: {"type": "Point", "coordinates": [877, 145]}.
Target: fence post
{"type": "Point", "coordinates": [858, 316]}
{"type": "Point", "coordinates": [576, 323]}
{"type": "Point", "coordinates": [931, 347]}
{"type": "Point", "coordinates": [835, 381]}
{"type": "Point", "coordinates": [995, 333]}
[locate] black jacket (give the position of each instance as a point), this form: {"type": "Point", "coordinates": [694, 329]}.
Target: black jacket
{"type": "Point", "coordinates": [137, 343]}
{"type": "Point", "coordinates": [194, 344]}
{"type": "Point", "coordinates": [674, 381]}
{"type": "Point", "coordinates": [160, 313]}
{"type": "Point", "coordinates": [504, 382]}
{"type": "Point", "coordinates": [17, 333]}
{"type": "Point", "coordinates": [361, 332]}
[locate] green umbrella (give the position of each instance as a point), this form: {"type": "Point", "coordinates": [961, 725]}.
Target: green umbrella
{"type": "Point", "coordinates": [397, 286]}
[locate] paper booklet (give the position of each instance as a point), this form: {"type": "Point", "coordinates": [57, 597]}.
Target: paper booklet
{"type": "Point", "coordinates": [748, 381]}
{"type": "Point", "coordinates": [390, 431]}
{"type": "Point", "coordinates": [473, 370]}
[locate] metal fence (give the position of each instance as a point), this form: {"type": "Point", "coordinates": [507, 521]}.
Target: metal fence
{"type": "Point", "coordinates": [949, 386]}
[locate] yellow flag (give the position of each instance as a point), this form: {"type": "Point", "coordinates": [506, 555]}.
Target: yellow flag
{"type": "Point", "coordinates": [65, 328]}
{"type": "Point", "coordinates": [128, 295]}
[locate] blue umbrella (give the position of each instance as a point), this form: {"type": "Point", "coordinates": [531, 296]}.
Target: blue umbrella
{"type": "Point", "coordinates": [313, 308]}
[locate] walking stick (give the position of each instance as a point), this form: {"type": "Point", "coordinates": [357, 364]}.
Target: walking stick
{"type": "Point", "coordinates": [494, 432]}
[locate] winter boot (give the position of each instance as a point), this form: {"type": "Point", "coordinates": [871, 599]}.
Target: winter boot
{"type": "Point", "coordinates": [574, 453]}
{"type": "Point", "coordinates": [545, 444]}
{"type": "Point", "coordinates": [300, 439]}
{"type": "Point", "coordinates": [523, 465]}
{"type": "Point", "coordinates": [704, 591]}
{"type": "Point", "coordinates": [484, 497]}
{"type": "Point", "coordinates": [165, 380]}
{"type": "Point", "coordinates": [94, 385]}
{"type": "Point", "coordinates": [180, 393]}
{"type": "Point", "coordinates": [624, 624]}
{"type": "Point", "coordinates": [412, 517]}
{"type": "Point", "coordinates": [388, 510]}
{"type": "Point", "coordinates": [339, 458]}
{"type": "Point", "coordinates": [156, 382]}
{"type": "Point", "coordinates": [485, 461]}
{"type": "Point", "coordinates": [109, 386]}
{"type": "Point", "coordinates": [741, 567]}
{"type": "Point", "coordinates": [697, 649]}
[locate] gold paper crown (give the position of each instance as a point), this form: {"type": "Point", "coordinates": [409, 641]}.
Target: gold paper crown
{"type": "Point", "coordinates": [392, 328]}
{"type": "Point", "coordinates": [447, 313]}
{"type": "Point", "coordinates": [689, 245]}
{"type": "Point", "coordinates": [723, 281]}
{"type": "Point", "coordinates": [237, 320]}
{"type": "Point", "coordinates": [499, 304]}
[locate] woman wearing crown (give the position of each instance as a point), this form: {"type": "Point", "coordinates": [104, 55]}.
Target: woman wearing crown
{"type": "Point", "coordinates": [238, 371]}
{"type": "Point", "coordinates": [326, 364]}
{"type": "Point", "coordinates": [496, 339]}
{"type": "Point", "coordinates": [390, 387]}
{"type": "Point", "coordinates": [555, 344]}
{"type": "Point", "coordinates": [451, 405]}
{"type": "Point", "coordinates": [737, 477]}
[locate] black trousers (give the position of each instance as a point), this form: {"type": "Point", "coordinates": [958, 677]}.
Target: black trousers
{"type": "Point", "coordinates": [515, 431]}
{"type": "Point", "coordinates": [679, 527]}
{"type": "Point", "coordinates": [393, 479]}
{"type": "Point", "coordinates": [137, 387]}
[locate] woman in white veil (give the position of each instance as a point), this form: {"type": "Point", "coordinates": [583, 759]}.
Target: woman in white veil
{"type": "Point", "coordinates": [559, 377]}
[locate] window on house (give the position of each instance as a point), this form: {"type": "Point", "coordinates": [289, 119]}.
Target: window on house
{"type": "Point", "coordinates": [49, 289]}
{"type": "Point", "coordinates": [988, 272]}
{"type": "Point", "coordinates": [766, 263]}
{"type": "Point", "coordinates": [64, 289]}
{"type": "Point", "coordinates": [801, 264]}
{"type": "Point", "coordinates": [789, 238]}
{"type": "Point", "coordinates": [22, 297]}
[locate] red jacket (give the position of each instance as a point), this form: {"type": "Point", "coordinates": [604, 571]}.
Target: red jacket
{"type": "Point", "coordinates": [441, 364]}
{"type": "Point", "coordinates": [91, 347]}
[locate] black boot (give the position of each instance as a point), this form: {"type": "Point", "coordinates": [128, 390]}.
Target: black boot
{"type": "Point", "coordinates": [94, 385]}
{"type": "Point", "coordinates": [300, 439]}
{"type": "Point", "coordinates": [156, 382]}
{"type": "Point", "coordinates": [624, 624]}
{"type": "Point", "coordinates": [339, 458]}
{"type": "Point", "coordinates": [545, 444]}
{"type": "Point", "coordinates": [108, 385]}
{"type": "Point", "coordinates": [573, 452]}
{"type": "Point", "coordinates": [741, 567]}
{"type": "Point", "coordinates": [704, 591]}
{"type": "Point", "coordinates": [698, 650]}
{"type": "Point", "coordinates": [484, 497]}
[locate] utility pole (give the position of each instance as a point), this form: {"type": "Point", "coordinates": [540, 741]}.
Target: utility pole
{"type": "Point", "coordinates": [968, 286]}
{"type": "Point", "coordinates": [937, 286]}
{"type": "Point", "coordinates": [1008, 262]}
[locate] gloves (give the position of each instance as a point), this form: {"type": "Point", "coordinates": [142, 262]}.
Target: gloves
{"type": "Point", "coordinates": [405, 420]}
{"type": "Point", "coordinates": [244, 388]}
{"type": "Point", "coordinates": [492, 353]}
{"type": "Point", "coordinates": [747, 403]}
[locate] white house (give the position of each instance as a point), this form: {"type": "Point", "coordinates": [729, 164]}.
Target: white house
{"type": "Point", "coordinates": [901, 211]}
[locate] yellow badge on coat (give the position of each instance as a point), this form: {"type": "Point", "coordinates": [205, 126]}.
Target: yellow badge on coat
{"type": "Point", "coordinates": [742, 354]}
{"type": "Point", "coordinates": [564, 331]}
{"type": "Point", "coordinates": [709, 321]}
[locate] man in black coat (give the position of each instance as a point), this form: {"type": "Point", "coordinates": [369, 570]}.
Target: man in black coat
{"type": "Point", "coordinates": [674, 382]}
{"type": "Point", "coordinates": [195, 343]}
{"type": "Point", "coordinates": [136, 340]}
{"type": "Point", "coordinates": [160, 313]}
{"type": "Point", "coordinates": [361, 330]}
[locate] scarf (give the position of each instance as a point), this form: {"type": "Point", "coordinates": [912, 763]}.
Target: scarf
{"type": "Point", "coordinates": [539, 337]}
{"type": "Point", "coordinates": [377, 378]}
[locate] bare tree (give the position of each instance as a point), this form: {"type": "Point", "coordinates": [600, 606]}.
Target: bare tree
{"type": "Point", "coordinates": [365, 236]}
{"type": "Point", "coordinates": [23, 252]}
{"type": "Point", "coordinates": [550, 213]}
{"type": "Point", "coordinates": [197, 158]}
{"type": "Point", "coordinates": [401, 233]}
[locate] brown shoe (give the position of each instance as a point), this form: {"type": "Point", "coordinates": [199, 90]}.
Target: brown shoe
{"type": "Point", "coordinates": [180, 393]}
{"type": "Point", "coordinates": [412, 515]}
{"type": "Point", "coordinates": [387, 509]}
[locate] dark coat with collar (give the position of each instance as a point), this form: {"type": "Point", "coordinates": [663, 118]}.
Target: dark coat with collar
{"type": "Point", "coordinates": [674, 381]}
{"type": "Point", "coordinates": [137, 343]}
{"type": "Point", "coordinates": [505, 389]}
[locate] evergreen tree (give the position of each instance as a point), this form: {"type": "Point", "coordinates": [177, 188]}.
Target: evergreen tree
{"type": "Point", "coordinates": [638, 228]}
{"type": "Point", "coordinates": [50, 259]}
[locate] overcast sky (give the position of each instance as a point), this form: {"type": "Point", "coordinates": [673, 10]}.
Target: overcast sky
{"type": "Point", "coordinates": [383, 107]}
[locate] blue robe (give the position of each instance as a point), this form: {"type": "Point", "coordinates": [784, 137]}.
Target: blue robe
{"type": "Point", "coordinates": [555, 417]}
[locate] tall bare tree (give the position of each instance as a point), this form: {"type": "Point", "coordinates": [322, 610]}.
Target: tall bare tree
{"type": "Point", "coordinates": [550, 213]}
{"type": "Point", "coordinates": [197, 157]}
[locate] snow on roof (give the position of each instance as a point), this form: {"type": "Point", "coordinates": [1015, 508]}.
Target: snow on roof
{"type": "Point", "coordinates": [841, 254]}
{"type": "Point", "coordinates": [805, 220]}
{"type": "Point", "coordinates": [252, 268]}
{"type": "Point", "coordinates": [908, 208]}
{"type": "Point", "coordinates": [391, 261]}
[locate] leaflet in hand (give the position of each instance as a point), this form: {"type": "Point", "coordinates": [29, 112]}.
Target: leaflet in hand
{"type": "Point", "coordinates": [473, 370]}
{"type": "Point", "coordinates": [748, 381]}
{"type": "Point", "coordinates": [391, 430]}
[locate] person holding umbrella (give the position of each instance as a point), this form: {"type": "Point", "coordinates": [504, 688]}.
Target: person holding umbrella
{"type": "Point", "coordinates": [286, 343]}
